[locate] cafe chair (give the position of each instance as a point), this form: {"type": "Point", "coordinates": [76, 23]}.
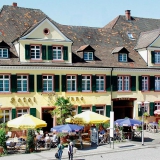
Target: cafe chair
{"type": "Point", "coordinates": [48, 144]}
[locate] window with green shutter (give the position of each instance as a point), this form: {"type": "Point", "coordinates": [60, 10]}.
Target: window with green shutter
{"type": "Point", "coordinates": [13, 83]}
{"type": "Point", "coordinates": [108, 83]}
{"type": "Point", "coordinates": [50, 53]}
{"type": "Point", "coordinates": [31, 83]}
{"type": "Point", "coordinates": [65, 53]}
{"type": "Point", "coordinates": [152, 83]}
{"type": "Point", "coordinates": [93, 83]}
{"type": "Point", "coordinates": [152, 108]}
{"type": "Point", "coordinates": [56, 83]}
{"type": "Point", "coordinates": [33, 112]}
{"type": "Point", "coordinates": [133, 83]}
{"type": "Point", "coordinates": [39, 83]}
{"type": "Point", "coordinates": [63, 83]}
{"type": "Point", "coordinates": [44, 56]}
{"type": "Point", "coordinates": [152, 56]}
{"type": "Point", "coordinates": [93, 108]}
{"type": "Point", "coordinates": [114, 83]}
{"type": "Point", "coordinates": [13, 113]}
{"type": "Point", "coordinates": [79, 109]}
{"type": "Point", "coordinates": [27, 52]}
{"type": "Point", "coordinates": [79, 83]}
{"type": "Point", "coordinates": [108, 109]}
{"type": "Point", "coordinates": [139, 112]}
{"type": "Point", "coordinates": [140, 83]}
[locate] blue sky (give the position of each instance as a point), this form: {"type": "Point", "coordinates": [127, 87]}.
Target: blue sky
{"type": "Point", "coordinates": [93, 13]}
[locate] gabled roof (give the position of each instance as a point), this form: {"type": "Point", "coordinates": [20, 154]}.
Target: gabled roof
{"type": "Point", "coordinates": [17, 21]}
{"type": "Point", "coordinates": [120, 49]}
{"type": "Point", "coordinates": [85, 47]}
{"type": "Point", "coordinates": [146, 38]}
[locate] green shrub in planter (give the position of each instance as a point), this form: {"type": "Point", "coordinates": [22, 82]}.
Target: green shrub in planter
{"type": "Point", "coordinates": [3, 140]}
{"type": "Point", "coordinates": [30, 143]}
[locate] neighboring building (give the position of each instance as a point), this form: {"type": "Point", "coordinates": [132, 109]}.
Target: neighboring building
{"type": "Point", "coordinates": [41, 59]}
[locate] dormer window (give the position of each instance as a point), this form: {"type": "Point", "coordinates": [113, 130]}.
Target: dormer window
{"type": "Point", "coordinates": [122, 57]}
{"type": "Point", "coordinates": [3, 53]}
{"type": "Point", "coordinates": [88, 56]}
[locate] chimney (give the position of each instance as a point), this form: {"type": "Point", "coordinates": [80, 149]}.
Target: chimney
{"type": "Point", "coordinates": [128, 15]}
{"type": "Point", "coordinates": [14, 4]}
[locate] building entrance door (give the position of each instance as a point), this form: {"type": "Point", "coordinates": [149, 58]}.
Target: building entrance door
{"type": "Point", "coordinates": [46, 116]}
{"type": "Point", "coordinates": [122, 109]}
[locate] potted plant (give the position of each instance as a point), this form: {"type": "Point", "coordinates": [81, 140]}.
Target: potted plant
{"type": "Point", "coordinates": [3, 138]}
{"type": "Point", "coordinates": [63, 109]}
{"type": "Point", "coordinates": [30, 143]}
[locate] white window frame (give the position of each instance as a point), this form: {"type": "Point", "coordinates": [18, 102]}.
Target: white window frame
{"type": "Point", "coordinates": [147, 107]}
{"type": "Point", "coordinates": [145, 83]}
{"type": "Point", "coordinates": [85, 81]}
{"type": "Point", "coordinates": [34, 52]}
{"type": "Point", "coordinates": [157, 83]}
{"type": "Point", "coordinates": [22, 112]}
{"type": "Point", "coordinates": [22, 82]}
{"type": "Point", "coordinates": [86, 109]}
{"type": "Point", "coordinates": [3, 113]}
{"type": "Point", "coordinates": [88, 58]}
{"type": "Point", "coordinates": [122, 57]}
{"type": "Point", "coordinates": [99, 109]}
{"type": "Point", "coordinates": [2, 52]}
{"type": "Point", "coordinates": [49, 79]}
{"type": "Point", "coordinates": [4, 81]}
{"type": "Point", "coordinates": [73, 83]}
{"type": "Point", "coordinates": [56, 49]}
{"type": "Point", "coordinates": [157, 57]}
{"type": "Point", "coordinates": [157, 105]}
{"type": "Point", "coordinates": [123, 83]}
{"type": "Point", "coordinates": [100, 82]}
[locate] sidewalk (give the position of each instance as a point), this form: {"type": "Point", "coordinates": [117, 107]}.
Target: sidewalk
{"type": "Point", "coordinates": [151, 140]}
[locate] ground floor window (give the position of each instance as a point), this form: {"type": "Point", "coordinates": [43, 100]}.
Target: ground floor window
{"type": "Point", "coordinates": [157, 106]}
{"type": "Point", "coordinates": [100, 110]}
{"type": "Point", "coordinates": [5, 116]}
{"type": "Point", "coordinates": [86, 109]}
{"type": "Point", "coordinates": [21, 112]}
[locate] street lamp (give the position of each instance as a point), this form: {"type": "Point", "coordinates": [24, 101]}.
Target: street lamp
{"type": "Point", "coordinates": [143, 107]}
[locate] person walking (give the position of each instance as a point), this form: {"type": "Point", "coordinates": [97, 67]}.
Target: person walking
{"type": "Point", "coordinates": [60, 150]}
{"type": "Point", "coordinates": [70, 151]}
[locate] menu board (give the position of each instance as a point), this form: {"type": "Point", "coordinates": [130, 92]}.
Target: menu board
{"type": "Point", "coordinates": [94, 136]}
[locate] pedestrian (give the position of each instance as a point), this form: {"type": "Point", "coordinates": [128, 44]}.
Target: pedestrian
{"type": "Point", "coordinates": [60, 150]}
{"type": "Point", "coordinates": [70, 151]}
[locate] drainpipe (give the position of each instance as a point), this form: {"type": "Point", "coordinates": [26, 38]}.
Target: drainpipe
{"type": "Point", "coordinates": [111, 89]}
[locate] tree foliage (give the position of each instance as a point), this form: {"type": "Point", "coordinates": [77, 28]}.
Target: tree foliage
{"type": "Point", "coordinates": [63, 109]}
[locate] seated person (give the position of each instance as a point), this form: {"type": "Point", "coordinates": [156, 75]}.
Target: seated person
{"type": "Point", "coordinates": [46, 138]}
{"type": "Point", "coordinates": [54, 138]}
{"type": "Point", "coordinates": [38, 137]}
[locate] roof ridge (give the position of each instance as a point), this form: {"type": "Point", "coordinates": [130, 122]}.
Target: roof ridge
{"type": "Point", "coordinates": [22, 7]}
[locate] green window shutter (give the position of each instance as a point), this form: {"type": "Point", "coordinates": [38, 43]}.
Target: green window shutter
{"type": "Point", "coordinates": [93, 108]}
{"type": "Point", "coordinates": [114, 83]}
{"type": "Point", "coordinates": [39, 83]}
{"type": "Point", "coordinates": [108, 83]}
{"type": "Point", "coordinates": [133, 83]}
{"type": "Point", "coordinates": [65, 53]}
{"type": "Point", "coordinates": [108, 109]}
{"type": "Point", "coordinates": [140, 83]}
{"type": "Point", "coordinates": [13, 113]}
{"type": "Point", "coordinates": [79, 109]}
{"type": "Point", "coordinates": [44, 57]}
{"type": "Point", "coordinates": [152, 83]}
{"type": "Point", "coordinates": [13, 83]}
{"type": "Point", "coordinates": [27, 52]}
{"type": "Point", "coordinates": [33, 112]}
{"type": "Point", "coordinates": [31, 83]}
{"type": "Point", "coordinates": [152, 56]}
{"type": "Point", "coordinates": [79, 83]}
{"type": "Point", "coordinates": [93, 83]}
{"type": "Point", "coordinates": [50, 53]}
{"type": "Point", "coordinates": [56, 83]}
{"type": "Point", "coordinates": [139, 112]}
{"type": "Point", "coordinates": [152, 108]}
{"type": "Point", "coordinates": [63, 83]}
